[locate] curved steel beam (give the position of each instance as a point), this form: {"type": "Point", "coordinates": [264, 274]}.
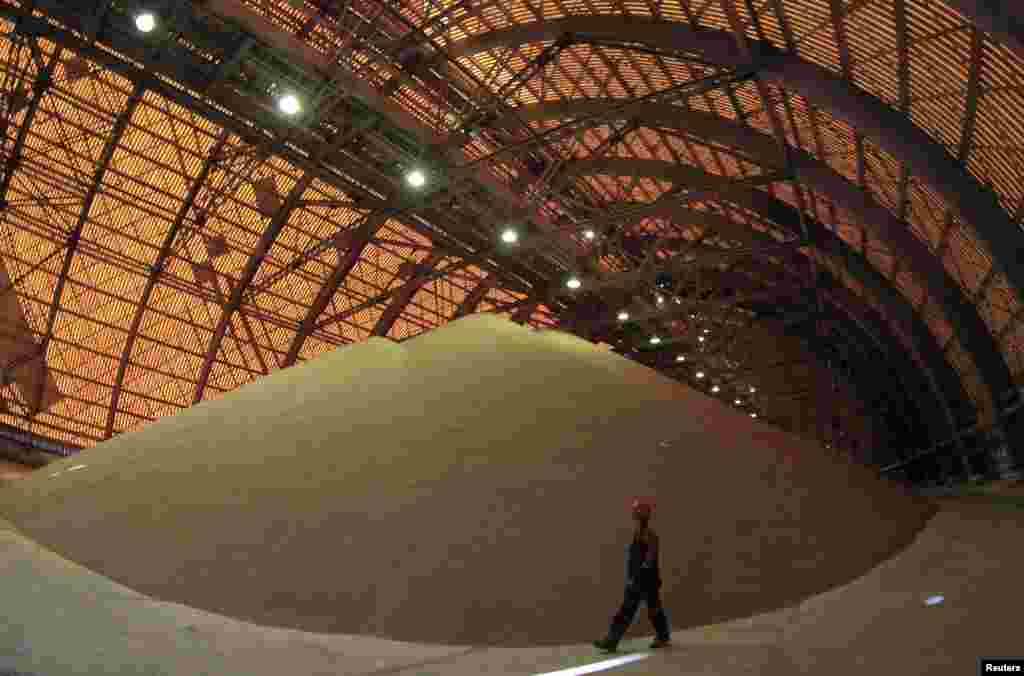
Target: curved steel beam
{"type": "Point", "coordinates": [120, 125]}
{"type": "Point", "coordinates": [475, 297]}
{"type": "Point", "coordinates": [959, 312]}
{"type": "Point", "coordinates": [359, 239]}
{"type": "Point", "coordinates": [252, 266]}
{"type": "Point", "coordinates": [267, 239]}
{"type": "Point", "coordinates": [943, 378]}
{"type": "Point", "coordinates": [886, 391]}
{"type": "Point", "coordinates": [761, 148]}
{"type": "Point", "coordinates": [889, 129]}
{"type": "Point", "coordinates": [398, 304]}
{"type": "Point", "coordinates": [939, 374]}
{"type": "Point", "coordinates": [1004, 19]}
{"type": "Point", "coordinates": [962, 314]}
{"type": "Point", "coordinates": [156, 270]}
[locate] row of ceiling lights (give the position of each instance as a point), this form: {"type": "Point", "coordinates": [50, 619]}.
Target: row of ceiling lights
{"type": "Point", "coordinates": [290, 105]}
{"type": "Point", "coordinates": [511, 236]}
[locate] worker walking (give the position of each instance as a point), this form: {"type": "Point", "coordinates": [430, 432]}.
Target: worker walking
{"type": "Point", "coordinates": [643, 583]}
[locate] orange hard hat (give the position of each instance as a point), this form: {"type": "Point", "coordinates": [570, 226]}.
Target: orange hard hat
{"type": "Point", "coordinates": [643, 504]}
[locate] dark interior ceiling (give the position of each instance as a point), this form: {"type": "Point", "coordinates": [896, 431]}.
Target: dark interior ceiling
{"type": "Point", "coordinates": [841, 171]}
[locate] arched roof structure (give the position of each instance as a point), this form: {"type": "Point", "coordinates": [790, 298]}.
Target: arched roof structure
{"type": "Point", "coordinates": [167, 234]}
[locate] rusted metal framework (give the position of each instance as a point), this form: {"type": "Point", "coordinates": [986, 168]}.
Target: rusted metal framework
{"type": "Point", "coordinates": [170, 235]}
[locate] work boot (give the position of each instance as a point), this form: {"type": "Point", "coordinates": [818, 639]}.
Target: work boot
{"type": "Point", "coordinates": [606, 645]}
{"type": "Point", "coordinates": [660, 643]}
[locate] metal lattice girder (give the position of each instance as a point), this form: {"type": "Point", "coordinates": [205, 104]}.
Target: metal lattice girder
{"type": "Point", "coordinates": [156, 270]}
{"type": "Point", "coordinates": [958, 310]}
{"type": "Point", "coordinates": [120, 125]}
{"type": "Point", "coordinates": [41, 85]}
{"type": "Point", "coordinates": [252, 266]}
{"type": "Point", "coordinates": [827, 242]}
{"type": "Point", "coordinates": [1004, 19]}
{"type": "Point", "coordinates": [316, 62]}
{"type": "Point", "coordinates": [940, 374]}
{"type": "Point", "coordinates": [889, 129]}
{"type": "Point", "coordinates": [359, 239]}
{"type": "Point", "coordinates": [475, 297]}
{"type": "Point", "coordinates": [962, 314]}
{"type": "Point", "coordinates": [189, 70]}
{"type": "Point", "coordinates": [627, 215]}
{"type": "Point", "coordinates": [266, 241]}
{"type": "Point", "coordinates": [757, 146]}
{"type": "Point", "coordinates": [394, 310]}
{"type": "Point", "coordinates": [700, 187]}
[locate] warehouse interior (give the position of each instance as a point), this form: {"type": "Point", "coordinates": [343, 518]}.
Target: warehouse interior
{"type": "Point", "coordinates": [321, 317]}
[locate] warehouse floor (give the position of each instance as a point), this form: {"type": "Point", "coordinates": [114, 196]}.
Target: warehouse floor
{"type": "Point", "coordinates": [60, 619]}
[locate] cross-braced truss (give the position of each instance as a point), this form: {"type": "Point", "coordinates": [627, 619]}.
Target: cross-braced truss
{"type": "Point", "coordinates": [166, 235]}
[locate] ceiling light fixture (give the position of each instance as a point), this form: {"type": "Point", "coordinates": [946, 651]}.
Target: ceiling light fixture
{"type": "Point", "coordinates": [416, 178]}
{"type": "Point", "coordinates": [623, 316]}
{"type": "Point", "coordinates": [510, 236]}
{"type": "Point", "coordinates": [681, 357]}
{"type": "Point", "coordinates": [716, 389]}
{"type": "Point", "coordinates": [573, 283]}
{"type": "Point", "coordinates": [289, 104]}
{"type": "Point", "coordinates": [700, 374]}
{"type": "Point", "coordinates": [655, 340]}
{"type": "Point", "coordinates": [145, 22]}
{"type": "Point", "coordinates": [589, 234]}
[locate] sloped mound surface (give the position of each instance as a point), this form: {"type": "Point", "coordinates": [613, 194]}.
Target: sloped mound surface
{"type": "Point", "coordinates": [466, 487]}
